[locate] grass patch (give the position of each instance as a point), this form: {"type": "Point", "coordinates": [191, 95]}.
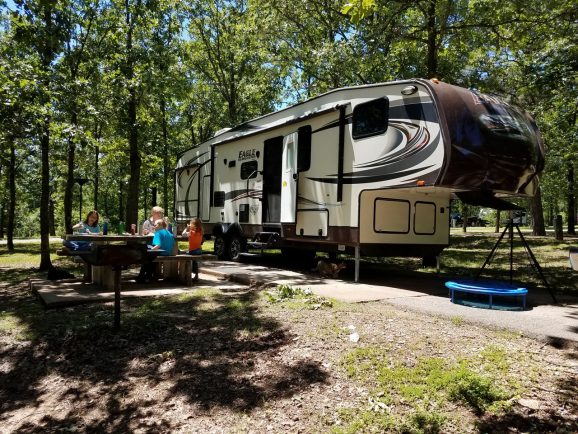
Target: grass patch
{"type": "Point", "coordinates": [377, 419]}
{"type": "Point", "coordinates": [433, 384]}
{"type": "Point", "coordinates": [457, 320]}
{"type": "Point", "coordinates": [297, 298]}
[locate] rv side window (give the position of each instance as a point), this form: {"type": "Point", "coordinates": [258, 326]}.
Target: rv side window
{"type": "Point", "coordinates": [304, 148]}
{"type": "Point", "coordinates": [219, 199]}
{"type": "Point", "coordinates": [370, 118]}
{"type": "Point", "coordinates": [249, 169]}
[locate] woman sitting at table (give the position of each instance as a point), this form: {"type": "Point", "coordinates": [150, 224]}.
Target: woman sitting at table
{"type": "Point", "coordinates": [88, 226]}
{"type": "Point", "coordinates": [162, 240]}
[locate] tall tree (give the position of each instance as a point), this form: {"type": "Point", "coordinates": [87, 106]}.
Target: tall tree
{"type": "Point", "coordinates": [17, 73]}
{"type": "Point", "coordinates": [80, 27]}
{"type": "Point", "coordinates": [40, 23]}
{"type": "Point", "coordinates": [225, 48]}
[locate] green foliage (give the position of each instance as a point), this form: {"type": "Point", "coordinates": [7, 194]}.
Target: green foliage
{"type": "Point", "coordinates": [359, 9]}
{"type": "Point", "coordinates": [284, 293]}
{"type": "Point", "coordinates": [428, 384]}
{"type": "Point", "coordinates": [195, 68]}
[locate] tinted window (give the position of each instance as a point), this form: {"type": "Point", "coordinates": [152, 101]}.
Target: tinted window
{"type": "Point", "coordinates": [249, 169]}
{"type": "Point", "coordinates": [219, 198]}
{"type": "Point", "coordinates": [304, 149]}
{"type": "Point", "coordinates": [370, 118]}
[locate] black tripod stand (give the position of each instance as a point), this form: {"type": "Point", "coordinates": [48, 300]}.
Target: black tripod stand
{"type": "Point", "coordinates": [533, 261]}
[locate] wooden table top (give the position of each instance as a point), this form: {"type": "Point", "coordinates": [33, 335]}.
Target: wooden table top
{"type": "Point", "coordinates": [106, 238]}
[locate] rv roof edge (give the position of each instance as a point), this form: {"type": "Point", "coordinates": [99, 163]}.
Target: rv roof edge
{"type": "Point", "coordinates": [221, 131]}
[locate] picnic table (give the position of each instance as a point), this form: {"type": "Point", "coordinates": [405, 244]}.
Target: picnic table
{"type": "Point", "coordinates": [98, 268]}
{"type": "Point", "coordinates": [110, 254]}
{"type": "Point", "coordinates": [105, 261]}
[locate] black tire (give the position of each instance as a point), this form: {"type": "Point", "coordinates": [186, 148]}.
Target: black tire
{"type": "Point", "coordinates": [235, 246]}
{"type": "Point", "coordinates": [220, 247]}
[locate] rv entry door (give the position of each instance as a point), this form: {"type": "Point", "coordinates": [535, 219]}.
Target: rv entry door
{"type": "Point", "coordinates": [187, 193]}
{"type": "Point", "coordinates": [289, 179]}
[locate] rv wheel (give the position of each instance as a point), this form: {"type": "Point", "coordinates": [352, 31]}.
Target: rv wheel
{"type": "Point", "coordinates": [235, 247]}
{"type": "Point", "coordinates": [219, 247]}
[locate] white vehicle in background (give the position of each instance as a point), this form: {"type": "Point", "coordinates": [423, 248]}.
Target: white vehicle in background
{"type": "Point", "coordinates": [366, 170]}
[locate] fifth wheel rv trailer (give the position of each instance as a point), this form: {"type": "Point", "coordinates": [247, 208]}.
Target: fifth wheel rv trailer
{"type": "Point", "coordinates": [365, 170]}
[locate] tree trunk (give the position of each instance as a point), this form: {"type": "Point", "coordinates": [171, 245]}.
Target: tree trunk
{"type": "Point", "coordinates": [12, 196]}
{"type": "Point", "coordinates": [46, 54]}
{"type": "Point", "coordinates": [538, 227]}
{"type": "Point", "coordinates": [135, 163]}
{"type": "Point", "coordinates": [120, 202]}
{"type": "Point", "coordinates": [166, 168]}
{"type": "Point", "coordinates": [134, 156]}
{"type": "Point", "coordinates": [497, 221]}
{"type": "Point", "coordinates": [52, 224]}
{"type": "Point", "coordinates": [571, 201]}
{"type": "Point", "coordinates": [192, 129]}
{"type": "Point", "coordinates": [45, 263]}
{"type": "Point", "coordinates": [97, 132]}
{"type": "Point", "coordinates": [2, 219]}
{"type": "Point", "coordinates": [96, 176]}
{"type": "Point", "coordinates": [558, 228]}
{"type": "Point", "coordinates": [432, 36]}
{"type": "Point", "coordinates": [69, 188]}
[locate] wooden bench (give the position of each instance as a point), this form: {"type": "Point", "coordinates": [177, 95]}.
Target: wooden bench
{"type": "Point", "coordinates": [179, 268]}
{"type": "Point", "coordinates": [491, 289]}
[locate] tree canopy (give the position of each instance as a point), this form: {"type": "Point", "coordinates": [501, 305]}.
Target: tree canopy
{"type": "Point", "coordinates": [113, 91]}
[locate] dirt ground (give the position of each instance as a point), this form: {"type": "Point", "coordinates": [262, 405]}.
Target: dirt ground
{"type": "Point", "coordinates": [236, 362]}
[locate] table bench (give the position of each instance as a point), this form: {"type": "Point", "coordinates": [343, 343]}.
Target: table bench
{"type": "Point", "coordinates": [491, 289]}
{"type": "Point", "coordinates": [179, 267]}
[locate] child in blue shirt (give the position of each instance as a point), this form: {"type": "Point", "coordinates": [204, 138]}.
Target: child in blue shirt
{"type": "Point", "coordinates": [162, 240]}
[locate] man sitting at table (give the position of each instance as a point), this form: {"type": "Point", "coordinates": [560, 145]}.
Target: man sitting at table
{"type": "Point", "coordinates": [149, 225]}
{"type": "Point", "coordinates": [162, 240]}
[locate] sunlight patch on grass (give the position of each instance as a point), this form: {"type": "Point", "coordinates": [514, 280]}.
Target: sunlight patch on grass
{"type": "Point", "coordinates": [457, 320]}
{"type": "Point", "coordinates": [14, 325]}
{"type": "Point", "coordinates": [434, 384]}
{"type": "Point", "coordinates": [9, 322]}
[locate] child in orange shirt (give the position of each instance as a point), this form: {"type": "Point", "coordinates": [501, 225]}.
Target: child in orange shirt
{"type": "Point", "coordinates": [194, 231]}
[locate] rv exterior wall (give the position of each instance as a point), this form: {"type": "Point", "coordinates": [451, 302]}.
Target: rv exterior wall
{"type": "Point", "coordinates": [395, 182]}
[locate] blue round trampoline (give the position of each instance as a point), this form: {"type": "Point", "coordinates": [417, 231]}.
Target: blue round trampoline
{"type": "Point", "coordinates": [491, 289]}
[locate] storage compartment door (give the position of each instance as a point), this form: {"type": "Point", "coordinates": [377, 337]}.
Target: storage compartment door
{"type": "Point", "coordinates": [312, 223]}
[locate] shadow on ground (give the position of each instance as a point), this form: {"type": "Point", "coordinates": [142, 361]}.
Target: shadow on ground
{"type": "Point", "coordinates": [408, 274]}
{"type": "Point", "coordinates": [207, 344]}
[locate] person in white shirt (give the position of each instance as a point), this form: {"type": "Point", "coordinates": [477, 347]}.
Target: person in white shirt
{"type": "Point", "coordinates": [148, 226]}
